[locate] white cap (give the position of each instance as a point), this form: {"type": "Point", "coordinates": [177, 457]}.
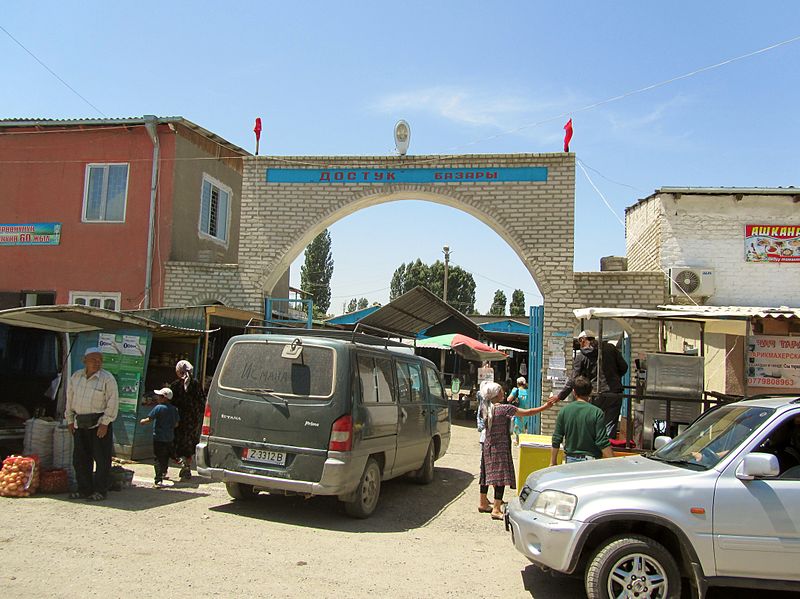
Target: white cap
{"type": "Point", "coordinates": [165, 391]}
{"type": "Point", "coordinates": [92, 350]}
{"type": "Point", "coordinates": [587, 333]}
{"type": "Point", "coordinates": [521, 381]}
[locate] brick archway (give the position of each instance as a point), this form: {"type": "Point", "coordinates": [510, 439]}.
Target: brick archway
{"type": "Point", "coordinates": [527, 199]}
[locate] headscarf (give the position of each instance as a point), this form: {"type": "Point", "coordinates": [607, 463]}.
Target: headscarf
{"type": "Point", "coordinates": [184, 370]}
{"type": "Point", "coordinates": [493, 393]}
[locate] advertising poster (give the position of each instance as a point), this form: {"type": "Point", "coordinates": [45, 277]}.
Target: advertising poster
{"type": "Point", "coordinates": [773, 362]}
{"type": "Point", "coordinates": [772, 243]}
{"type": "Point", "coordinates": [124, 357]}
{"type": "Point", "coordinates": [30, 234]}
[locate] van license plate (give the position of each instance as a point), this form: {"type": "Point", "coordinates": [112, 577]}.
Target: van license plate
{"type": "Point", "coordinates": [264, 456]}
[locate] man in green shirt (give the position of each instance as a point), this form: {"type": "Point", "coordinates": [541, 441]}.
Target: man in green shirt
{"type": "Point", "coordinates": [581, 426]}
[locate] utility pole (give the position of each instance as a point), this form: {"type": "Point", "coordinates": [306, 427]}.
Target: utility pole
{"type": "Point", "coordinates": [446, 251]}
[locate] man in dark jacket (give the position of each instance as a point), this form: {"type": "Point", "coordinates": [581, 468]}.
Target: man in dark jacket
{"type": "Point", "coordinates": [608, 386]}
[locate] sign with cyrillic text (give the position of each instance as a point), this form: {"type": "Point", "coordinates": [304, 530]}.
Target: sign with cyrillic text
{"type": "Point", "coordinates": [772, 243]}
{"type": "Point", "coordinates": [372, 176]}
{"type": "Point", "coordinates": [773, 361]}
{"type": "Point", "coordinates": [30, 234]}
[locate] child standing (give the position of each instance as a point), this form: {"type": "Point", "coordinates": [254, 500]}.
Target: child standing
{"type": "Point", "coordinates": [166, 418]}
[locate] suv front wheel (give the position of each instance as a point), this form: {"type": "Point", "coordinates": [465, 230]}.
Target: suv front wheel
{"type": "Point", "coordinates": [633, 566]}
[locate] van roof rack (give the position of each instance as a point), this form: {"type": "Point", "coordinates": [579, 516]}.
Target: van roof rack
{"type": "Point", "coordinates": [354, 336]}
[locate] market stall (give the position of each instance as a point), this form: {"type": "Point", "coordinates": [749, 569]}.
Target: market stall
{"type": "Point", "coordinates": [135, 350]}
{"type": "Point", "coordinates": [706, 355]}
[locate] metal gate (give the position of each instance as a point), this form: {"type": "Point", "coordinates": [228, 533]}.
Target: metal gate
{"type": "Point", "coordinates": [535, 348]}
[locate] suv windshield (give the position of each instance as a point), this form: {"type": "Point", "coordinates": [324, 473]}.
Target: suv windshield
{"type": "Point", "coordinates": [259, 366]}
{"type": "Point", "coordinates": [713, 436]}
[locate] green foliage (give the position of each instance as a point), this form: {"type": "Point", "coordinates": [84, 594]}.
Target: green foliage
{"type": "Point", "coordinates": [363, 303]}
{"type": "Point", "coordinates": [460, 283]}
{"type": "Point", "coordinates": [316, 272]}
{"type": "Point", "coordinates": [352, 306]}
{"type": "Point", "coordinates": [357, 304]}
{"type": "Point", "coordinates": [498, 304]}
{"type": "Point", "coordinates": [517, 307]}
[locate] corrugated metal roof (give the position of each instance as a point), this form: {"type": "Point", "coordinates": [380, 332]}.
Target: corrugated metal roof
{"type": "Point", "coordinates": [720, 191]}
{"type": "Point", "coordinates": [77, 319]}
{"type": "Point", "coordinates": [415, 311]}
{"type": "Point", "coordinates": [677, 312]}
{"type": "Point", "coordinates": [122, 122]}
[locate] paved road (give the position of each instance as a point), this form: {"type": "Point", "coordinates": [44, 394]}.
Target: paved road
{"type": "Point", "coordinates": [192, 541]}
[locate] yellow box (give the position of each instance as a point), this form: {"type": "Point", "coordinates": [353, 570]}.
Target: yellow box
{"type": "Point", "coordinates": [534, 454]}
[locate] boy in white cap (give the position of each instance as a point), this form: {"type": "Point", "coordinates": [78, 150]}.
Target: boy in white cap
{"type": "Point", "coordinates": [166, 418]}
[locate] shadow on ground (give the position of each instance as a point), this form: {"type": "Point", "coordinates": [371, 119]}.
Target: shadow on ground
{"type": "Point", "coordinates": [403, 505]}
{"type": "Point", "coordinates": [136, 498]}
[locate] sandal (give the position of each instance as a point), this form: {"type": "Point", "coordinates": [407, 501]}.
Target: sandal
{"type": "Point", "coordinates": [96, 497]}
{"type": "Point", "coordinates": [497, 516]}
{"type": "Point", "coordinates": [485, 510]}
{"type": "Point", "coordinates": [77, 495]}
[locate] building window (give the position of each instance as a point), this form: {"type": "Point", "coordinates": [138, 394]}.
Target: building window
{"type": "Point", "coordinates": [38, 298]}
{"type": "Point", "coordinates": [214, 209]}
{"type": "Point", "coordinates": [109, 301]}
{"type": "Point", "coordinates": [105, 193]}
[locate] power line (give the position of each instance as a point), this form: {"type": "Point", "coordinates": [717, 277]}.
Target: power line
{"type": "Point", "coordinates": [51, 71]}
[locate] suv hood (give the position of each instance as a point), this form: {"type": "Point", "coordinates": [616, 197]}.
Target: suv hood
{"type": "Point", "coordinates": [631, 471]}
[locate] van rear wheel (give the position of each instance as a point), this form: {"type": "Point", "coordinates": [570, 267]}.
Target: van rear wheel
{"type": "Point", "coordinates": [241, 491]}
{"type": "Point", "coordinates": [367, 492]}
{"type": "Point", "coordinates": [424, 475]}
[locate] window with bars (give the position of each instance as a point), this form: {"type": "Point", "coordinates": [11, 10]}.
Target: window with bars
{"type": "Point", "coordinates": [105, 193]}
{"type": "Point", "coordinates": [214, 209]}
{"type": "Point", "coordinates": [109, 301]}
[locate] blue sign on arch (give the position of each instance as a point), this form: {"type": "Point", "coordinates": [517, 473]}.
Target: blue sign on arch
{"type": "Point", "coordinates": [372, 176]}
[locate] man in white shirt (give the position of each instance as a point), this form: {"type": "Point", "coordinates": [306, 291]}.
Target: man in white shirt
{"type": "Point", "coordinates": [92, 403]}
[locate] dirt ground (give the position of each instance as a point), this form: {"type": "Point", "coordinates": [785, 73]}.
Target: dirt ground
{"type": "Point", "coordinates": [191, 540]}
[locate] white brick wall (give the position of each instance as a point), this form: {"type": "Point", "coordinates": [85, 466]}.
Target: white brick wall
{"type": "Point", "coordinates": [708, 231]}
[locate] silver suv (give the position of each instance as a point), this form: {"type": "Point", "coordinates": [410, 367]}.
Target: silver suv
{"type": "Point", "coordinates": [719, 505]}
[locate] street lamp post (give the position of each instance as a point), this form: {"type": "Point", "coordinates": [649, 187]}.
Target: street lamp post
{"type": "Point", "coordinates": [446, 251]}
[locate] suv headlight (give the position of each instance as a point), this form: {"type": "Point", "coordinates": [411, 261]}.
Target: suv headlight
{"type": "Point", "coordinates": [555, 504]}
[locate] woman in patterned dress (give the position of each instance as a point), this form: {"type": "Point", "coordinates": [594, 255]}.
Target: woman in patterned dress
{"type": "Point", "coordinates": [497, 461]}
{"type": "Point", "coordinates": [188, 397]}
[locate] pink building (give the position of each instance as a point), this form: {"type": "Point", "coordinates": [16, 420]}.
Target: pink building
{"type": "Point", "coordinates": [79, 197]}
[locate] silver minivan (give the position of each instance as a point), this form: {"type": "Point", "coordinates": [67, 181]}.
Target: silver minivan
{"type": "Point", "coordinates": [322, 413]}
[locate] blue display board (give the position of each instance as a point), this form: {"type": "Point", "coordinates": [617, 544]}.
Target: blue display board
{"type": "Point", "coordinates": [372, 176]}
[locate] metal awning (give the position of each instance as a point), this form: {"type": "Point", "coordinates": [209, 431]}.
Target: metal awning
{"type": "Point", "coordinates": [415, 311]}
{"type": "Point", "coordinates": [717, 319]}
{"type": "Point", "coordinates": [78, 319]}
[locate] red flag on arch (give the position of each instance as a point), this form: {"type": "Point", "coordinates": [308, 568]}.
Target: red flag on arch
{"type": "Point", "coordinates": [567, 135]}
{"type": "Point", "coordinates": [257, 129]}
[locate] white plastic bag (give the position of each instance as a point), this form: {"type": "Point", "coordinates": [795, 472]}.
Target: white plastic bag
{"type": "Point", "coordinates": [62, 451]}
{"type": "Point", "coordinates": [41, 440]}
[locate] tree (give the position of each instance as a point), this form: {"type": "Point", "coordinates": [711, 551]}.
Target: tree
{"type": "Point", "coordinates": [352, 306]}
{"type": "Point", "coordinates": [316, 272]}
{"type": "Point", "coordinates": [498, 304]}
{"type": "Point", "coordinates": [363, 303]}
{"type": "Point", "coordinates": [460, 283]}
{"type": "Point", "coordinates": [517, 307]}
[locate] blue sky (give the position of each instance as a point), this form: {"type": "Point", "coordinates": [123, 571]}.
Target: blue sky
{"type": "Point", "coordinates": [334, 77]}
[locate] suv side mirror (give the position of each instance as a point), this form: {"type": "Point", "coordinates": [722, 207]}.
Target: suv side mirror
{"type": "Point", "coordinates": [661, 441]}
{"type": "Point", "coordinates": [756, 465]}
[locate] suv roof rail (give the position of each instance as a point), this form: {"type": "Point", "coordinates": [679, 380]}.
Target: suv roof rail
{"type": "Point", "coordinates": [353, 337]}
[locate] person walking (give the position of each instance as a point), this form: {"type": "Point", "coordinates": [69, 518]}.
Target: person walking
{"type": "Point", "coordinates": [92, 405]}
{"type": "Point", "coordinates": [609, 383]}
{"type": "Point", "coordinates": [581, 427]}
{"type": "Point", "coordinates": [519, 397]}
{"type": "Point", "coordinates": [496, 451]}
{"type": "Point", "coordinates": [166, 419]}
{"type": "Point", "coordinates": [189, 399]}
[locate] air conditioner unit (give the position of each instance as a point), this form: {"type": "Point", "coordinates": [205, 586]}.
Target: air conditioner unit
{"type": "Point", "coordinates": [691, 281]}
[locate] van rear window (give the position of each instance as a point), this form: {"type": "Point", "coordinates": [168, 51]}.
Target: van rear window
{"type": "Point", "coordinates": [259, 365]}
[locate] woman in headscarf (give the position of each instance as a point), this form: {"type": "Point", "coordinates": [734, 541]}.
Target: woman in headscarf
{"type": "Point", "coordinates": [188, 397]}
{"type": "Point", "coordinates": [497, 464]}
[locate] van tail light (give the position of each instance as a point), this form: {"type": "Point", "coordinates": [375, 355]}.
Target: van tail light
{"type": "Point", "coordinates": [342, 434]}
{"type": "Point", "coordinates": [206, 430]}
